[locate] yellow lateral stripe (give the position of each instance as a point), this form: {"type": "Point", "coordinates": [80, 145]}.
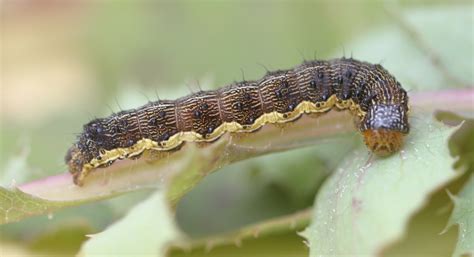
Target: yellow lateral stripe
{"type": "Point", "coordinates": [231, 127]}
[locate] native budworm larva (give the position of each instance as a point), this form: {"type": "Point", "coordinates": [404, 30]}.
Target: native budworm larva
{"type": "Point", "coordinates": [374, 96]}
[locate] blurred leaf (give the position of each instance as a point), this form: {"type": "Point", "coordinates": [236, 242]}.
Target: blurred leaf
{"type": "Point", "coordinates": [281, 225]}
{"type": "Point", "coordinates": [151, 221]}
{"type": "Point", "coordinates": [463, 216]}
{"type": "Point", "coordinates": [274, 245]}
{"type": "Point", "coordinates": [415, 47]}
{"type": "Point", "coordinates": [367, 203]}
{"type": "Point", "coordinates": [258, 189]}
{"type": "Point", "coordinates": [62, 240]}
{"type": "Point", "coordinates": [14, 249]}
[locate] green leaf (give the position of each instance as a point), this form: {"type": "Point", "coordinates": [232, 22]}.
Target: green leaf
{"type": "Point", "coordinates": [463, 216]}
{"type": "Point", "coordinates": [367, 202]}
{"type": "Point", "coordinates": [151, 221]}
{"type": "Point", "coordinates": [15, 205]}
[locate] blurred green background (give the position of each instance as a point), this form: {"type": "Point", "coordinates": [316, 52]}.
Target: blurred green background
{"type": "Point", "coordinates": [64, 63]}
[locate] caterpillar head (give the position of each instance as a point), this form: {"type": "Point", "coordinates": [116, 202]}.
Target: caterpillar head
{"type": "Point", "coordinates": [384, 128]}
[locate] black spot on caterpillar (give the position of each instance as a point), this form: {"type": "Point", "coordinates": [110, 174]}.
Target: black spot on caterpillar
{"type": "Point", "coordinates": [371, 93]}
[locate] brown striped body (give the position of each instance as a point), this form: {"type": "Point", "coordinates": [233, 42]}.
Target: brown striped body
{"type": "Point", "coordinates": [374, 96]}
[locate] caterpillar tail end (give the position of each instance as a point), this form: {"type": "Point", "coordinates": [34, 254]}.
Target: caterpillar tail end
{"type": "Point", "coordinates": [383, 142]}
{"type": "Point", "coordinates": [75, 160]}
{"type": "Point", "coordinates": [78, 179]}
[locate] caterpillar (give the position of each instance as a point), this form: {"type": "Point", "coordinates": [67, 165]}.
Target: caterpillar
{"type": "Point", "coordinates": [375, 98]}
